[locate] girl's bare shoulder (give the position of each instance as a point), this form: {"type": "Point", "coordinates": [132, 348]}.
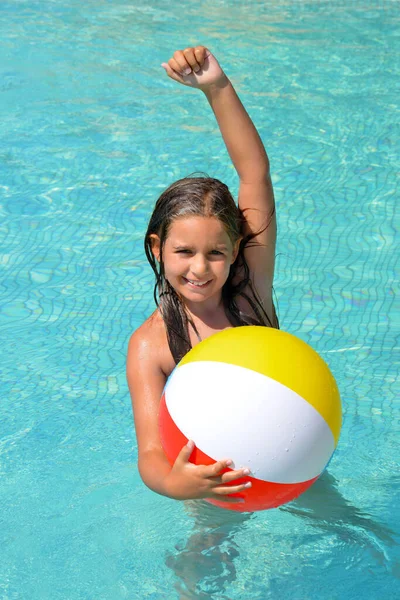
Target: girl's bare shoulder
{"type": "Point", "coordinates": [149, 343]}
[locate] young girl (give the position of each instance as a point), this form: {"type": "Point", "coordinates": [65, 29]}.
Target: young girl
{"type": "Point", "coordinates": [214, 267]}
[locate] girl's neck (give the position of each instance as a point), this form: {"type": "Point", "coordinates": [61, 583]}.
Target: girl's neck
{"type": "Point", "coordinates": [203, 323]}
{"type": "Point", "coordinates": [209, 313]}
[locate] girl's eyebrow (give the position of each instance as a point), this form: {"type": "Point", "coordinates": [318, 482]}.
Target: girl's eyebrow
{"type": "Point", "coordinates": [186, 246]}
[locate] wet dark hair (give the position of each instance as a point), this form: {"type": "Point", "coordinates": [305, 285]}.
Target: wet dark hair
{"type": "Point", "coordinates": [206, 197]}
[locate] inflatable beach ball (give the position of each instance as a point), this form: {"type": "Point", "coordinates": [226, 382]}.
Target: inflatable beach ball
{"type": "Point", "coordinates": [261, 397]}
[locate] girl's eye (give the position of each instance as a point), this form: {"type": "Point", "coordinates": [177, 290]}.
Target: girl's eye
{"type": "Point", "coordinates": [187, 251]}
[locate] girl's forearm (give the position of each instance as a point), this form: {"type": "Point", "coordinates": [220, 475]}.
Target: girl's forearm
{"type": "Point", "coordinates": [242, 141]}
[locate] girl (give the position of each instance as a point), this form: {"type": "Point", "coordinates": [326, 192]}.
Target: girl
{"type": "Point", "coordinates": [214, 267]}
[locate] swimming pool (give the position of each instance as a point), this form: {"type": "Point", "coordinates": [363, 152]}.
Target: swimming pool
{"type": "Point", "coordinates": [91, 132]}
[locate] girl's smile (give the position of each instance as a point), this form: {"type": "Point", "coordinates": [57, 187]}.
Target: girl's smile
{"type": "Point", "coordinates": [197, 284]}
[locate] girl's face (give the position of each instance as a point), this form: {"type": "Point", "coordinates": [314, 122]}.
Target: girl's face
{"type": "Point", "coordinates": [197, 256]}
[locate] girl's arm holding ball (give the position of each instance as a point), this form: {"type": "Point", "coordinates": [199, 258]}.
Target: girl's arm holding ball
{"type": "Point", "coordinates": [184, 480]}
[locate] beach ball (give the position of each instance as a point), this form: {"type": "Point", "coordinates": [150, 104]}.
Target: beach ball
{"type": "Point", "coordinates": [261, 397]}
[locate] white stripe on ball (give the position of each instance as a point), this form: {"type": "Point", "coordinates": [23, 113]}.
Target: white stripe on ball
{"type": "Point", "coordinates": [234, 412]}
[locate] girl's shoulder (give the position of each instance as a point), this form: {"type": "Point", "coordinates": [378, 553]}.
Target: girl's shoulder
{"type": "Point", "coordinates": [149, 343]}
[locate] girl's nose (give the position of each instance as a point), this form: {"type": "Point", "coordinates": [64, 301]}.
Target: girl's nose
{"type": "Point", "coordinates": [199, 265]}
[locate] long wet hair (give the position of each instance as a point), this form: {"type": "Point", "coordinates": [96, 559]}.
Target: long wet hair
{"type": "Point", "coordinates": [206, 197]}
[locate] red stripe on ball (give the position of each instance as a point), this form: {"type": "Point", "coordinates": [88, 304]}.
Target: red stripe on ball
{"type": "Point", "coordinates": [262, 495]}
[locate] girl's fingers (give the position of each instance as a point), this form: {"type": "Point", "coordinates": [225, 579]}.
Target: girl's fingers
{"type": "Point", "coordinates": [232, 475]}
{"type": "Point", "coordinates": [185, 62]}
{"type": "Point", "coordinates": [191, 59]}
{"type": "Point", "coordinates": [231, 489]}
{"type": "Point", "coordinates": [215, 469]}
{"type": "Point", "coordinates": [180, 64]}
{"type": "Point", "coordinates": [171, 73]}
{"type": "Point", "coordinates": [201, 53]}
{"type": "Point", "coordinates": [177, 66]}
{"type": "Point", "coordinates": [185, 453]}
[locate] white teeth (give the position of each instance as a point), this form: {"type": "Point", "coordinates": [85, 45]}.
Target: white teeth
{"type": "Point", "coordinates": [197, 283]}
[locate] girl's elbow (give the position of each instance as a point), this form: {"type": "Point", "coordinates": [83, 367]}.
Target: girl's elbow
{"type": "Point", "coordinates": [153, 469]}
{"type": "Point", "coordinates": [256, 174]}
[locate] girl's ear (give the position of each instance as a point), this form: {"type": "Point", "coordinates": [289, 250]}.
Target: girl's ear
{"type": "Point", "coordinates": [155, 245]}
{"type": "Point", "coordinates": [236, 250]}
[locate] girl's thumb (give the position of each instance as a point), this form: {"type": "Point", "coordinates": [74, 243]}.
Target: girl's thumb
{"type": "Point", "coordinates": [187, 451]}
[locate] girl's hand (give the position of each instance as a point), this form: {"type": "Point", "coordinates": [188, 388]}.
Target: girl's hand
{"type": "Point", "coordinates": [188, 481]}
{"type": "Point", "coordinates": [195, 67]}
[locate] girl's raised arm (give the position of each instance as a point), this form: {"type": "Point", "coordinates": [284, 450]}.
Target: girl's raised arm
{"type": "Point", "coordinates": [197, 67]}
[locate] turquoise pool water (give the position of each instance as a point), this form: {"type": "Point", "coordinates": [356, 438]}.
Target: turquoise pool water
{"type": "Point", "coordinates": [91, 132]}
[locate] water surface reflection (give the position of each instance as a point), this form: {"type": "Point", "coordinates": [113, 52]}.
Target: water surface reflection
{"type": "Point", "coordinates": [204, 563]}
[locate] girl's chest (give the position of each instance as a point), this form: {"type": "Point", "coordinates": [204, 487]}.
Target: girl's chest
{"type": "Point", "coordinates": [204, 331]}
